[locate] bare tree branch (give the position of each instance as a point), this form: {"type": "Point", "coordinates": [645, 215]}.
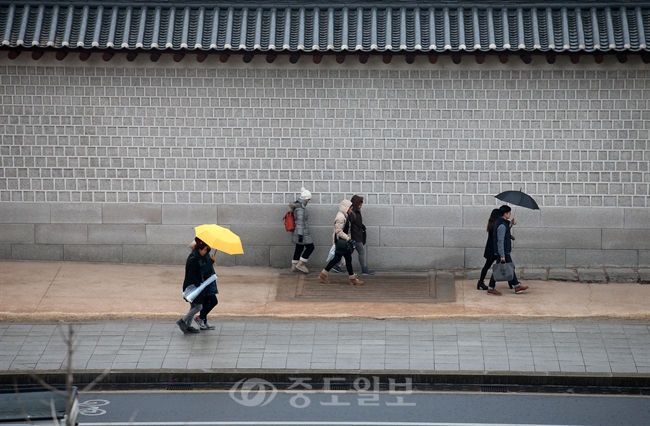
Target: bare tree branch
{"type": "Point", "coordinates": [20, 402]}
{"type": "Point", "coordinates": [68, 338]}
{"type": "Point", "coordinates": [132, 419]}
{"type": "Point", "coordinates": [68, 376]}
{"type": "Point", "coordinates": [53, 408]}
{"type": "Point", "coordinates": [92, 384]}
{"type": "Point", "coordinates": [47, 385]}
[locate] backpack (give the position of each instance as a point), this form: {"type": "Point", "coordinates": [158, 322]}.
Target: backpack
{"type": "Point", "coordinates": [289, 221]}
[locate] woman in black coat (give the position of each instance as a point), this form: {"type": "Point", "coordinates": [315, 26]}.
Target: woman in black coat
{"type": "Point", "coordinates": [193, 276]}
{"type": "Point", "coordinates": [488, 254]}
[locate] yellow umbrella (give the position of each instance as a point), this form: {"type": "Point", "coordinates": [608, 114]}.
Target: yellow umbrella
{"type": "Point", "coordinates": [220, 238]}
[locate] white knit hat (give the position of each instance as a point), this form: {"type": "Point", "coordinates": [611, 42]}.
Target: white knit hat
{"type": "Point", "coordinates": [305, 194]}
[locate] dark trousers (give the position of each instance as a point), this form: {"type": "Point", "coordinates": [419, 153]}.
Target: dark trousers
{"type": "Point", "coordinates": [486, 268]}
{"type": "Point", "coordinates": [208, 304]}
{"type": "Point", "coordinates": [337, 258]}
{"type": "Point", "coordinates": [512, 282]}
{"type": "Point", "coordinates": [298, 252]}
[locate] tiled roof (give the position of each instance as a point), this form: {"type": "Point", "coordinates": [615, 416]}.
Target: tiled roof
{"type": "Point", "coordinates": [292, 26]}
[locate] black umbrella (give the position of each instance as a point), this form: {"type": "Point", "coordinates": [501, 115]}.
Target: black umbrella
{"type": "Point", "coordinates": [518, 198]}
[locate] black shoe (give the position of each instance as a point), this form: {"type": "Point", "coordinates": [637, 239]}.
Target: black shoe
{"type": "Point", "coordinates": [481, 286]}
{"type": "Point", "coordinates": [181, 324]}
{"type": "Point", "coordinates": [510, 285]}
{"type": "Point", "coordinates": [191, 329]}
{"type": "Point", "coordinates": [337, 269]}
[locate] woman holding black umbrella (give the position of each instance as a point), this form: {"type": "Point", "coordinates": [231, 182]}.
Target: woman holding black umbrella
{"type": "Point", "coordinates": [502, 249]}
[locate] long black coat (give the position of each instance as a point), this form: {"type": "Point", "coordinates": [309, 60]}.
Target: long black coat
{"type": "Point", "coordinates": [489, 247]}
{"type": "Point", "coordinates": [193, 274]}
{"type": "Point", "coordinates": [358, 228]}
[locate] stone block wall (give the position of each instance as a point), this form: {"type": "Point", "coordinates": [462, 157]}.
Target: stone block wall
{"type": "Point", "coordinates": [399, 237]}
{"type": "Point", "coordinates": [118, 161]}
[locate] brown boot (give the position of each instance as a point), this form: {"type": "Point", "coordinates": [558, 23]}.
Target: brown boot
{"type": "Point", "coordinates": [355, 281]}
{"type": "Point", "coordinates": [323, 276]}
{"type": "Point", "coordinates": [301, 266]}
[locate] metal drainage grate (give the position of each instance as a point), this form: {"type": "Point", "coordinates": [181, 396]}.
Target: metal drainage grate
{"type": "Point", "coordinates": [176, 387]}
{"type": "Point", "coordinates": [339, 386]}
{"type": "Point", "coordinates": [645, 391]}
{"type": "Point", "coordinates": [502, 389]}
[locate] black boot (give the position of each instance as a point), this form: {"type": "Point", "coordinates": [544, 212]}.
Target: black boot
{"type": "Point", "coordinates": [481, 286]}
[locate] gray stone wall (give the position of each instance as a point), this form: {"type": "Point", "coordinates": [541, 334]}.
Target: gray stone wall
{"type": "Point", "coordinates": [117, 161]}
{"type": "Point", "coordinates": [399, 237]}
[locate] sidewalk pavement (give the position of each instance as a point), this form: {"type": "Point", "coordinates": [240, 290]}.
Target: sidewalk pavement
{"type": "Point", "coordinates": [70, 291]}
{"type": "Point", "coordinates": [124, 319]}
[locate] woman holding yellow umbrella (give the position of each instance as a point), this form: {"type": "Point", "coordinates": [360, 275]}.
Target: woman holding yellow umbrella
{"type": "Point", "coordinates": [194, 276]}
{"type": "Point", "coordinates": [210, 300]}
{"type": "Point", "coordinates": [207, 236]}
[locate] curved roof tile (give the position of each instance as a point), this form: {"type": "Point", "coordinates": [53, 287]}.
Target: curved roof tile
{"type": "Point", "coordinates": [309, 27]}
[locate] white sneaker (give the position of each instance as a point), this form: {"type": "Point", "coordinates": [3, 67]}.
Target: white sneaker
{"type": "Point", "coordinates": [203, 324]}
{"type": "Point", "coordinates": [199, 322]}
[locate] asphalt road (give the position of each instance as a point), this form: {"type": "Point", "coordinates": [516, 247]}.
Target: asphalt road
{"type": "Point", "coordinates": [298, 407]}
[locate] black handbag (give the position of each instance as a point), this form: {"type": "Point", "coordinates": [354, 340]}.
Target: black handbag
{"type": "Point", "coordinates": [343, 246]}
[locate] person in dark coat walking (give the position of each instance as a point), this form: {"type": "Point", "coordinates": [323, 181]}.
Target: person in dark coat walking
{"type": "Point", "coordinates": [342, 231]}
{"type": "Point", "coordinates": [210, 301]}
{"type": "Point", "coordinates": [488, 254]}
{"type": "Point", "coordinates": [359, 234]}
{"type": "Point", "coordinates": [502, 249]}
{"type": "Point", "coordinates": [301, 236]}
{"type": "Point", "coordinates": [194, 276]}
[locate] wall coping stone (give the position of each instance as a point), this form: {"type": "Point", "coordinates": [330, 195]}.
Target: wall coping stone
{"type": "Point", "coordinates": [562, 275]}
{"type": "Point", "coordinates": [644, 276]}
{"type": "Point", "coordinates": [535, 274]}
{"type": "Point", "coordinates": [622, 275]}
{"type": "Point", "coordinates": [591, 275]}
{"type": "Point", "coordinates": [586, 275]}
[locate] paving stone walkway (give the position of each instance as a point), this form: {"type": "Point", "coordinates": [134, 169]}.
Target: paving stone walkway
{"type": "Point", "coordinates": [605, 347]}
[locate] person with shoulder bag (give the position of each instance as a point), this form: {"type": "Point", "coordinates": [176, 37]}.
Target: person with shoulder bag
{"type": "Point", "coordinates": [301, 236]}
{"type": "Point", "coordinates": [344, 243]}
{"type": "Point", "coordinates": [359, 234]}
{"type": "Point", "coordinates": [502, 249]}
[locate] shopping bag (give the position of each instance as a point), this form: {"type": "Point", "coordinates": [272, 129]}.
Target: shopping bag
{"type": "Point", "coordinates": [331, 254]}
{"type": "Point", "coordinates": [503, 271]}
{"type": "Point", "coordinates": [191, 292]}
